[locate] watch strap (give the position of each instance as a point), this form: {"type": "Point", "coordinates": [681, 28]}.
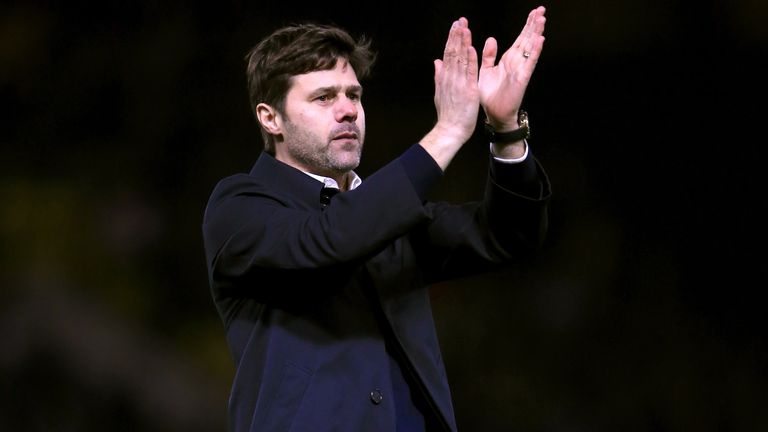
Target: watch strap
{"type": "Point", "coordinates": [524, 132]}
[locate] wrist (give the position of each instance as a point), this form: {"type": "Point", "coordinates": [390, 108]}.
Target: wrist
{"type": "Point", "coordinates": [509, 124]}
{"type": "Point", "coordinates": [505, 135]}
{"type": "Point", "coordinates": [510, 152]}
{"type": "Point", "coordinates": [442, 145]}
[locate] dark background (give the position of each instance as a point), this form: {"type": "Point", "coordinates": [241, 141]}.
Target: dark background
{"type": "Point", "coordinates": [643, 312]}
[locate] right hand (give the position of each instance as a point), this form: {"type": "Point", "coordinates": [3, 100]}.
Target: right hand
{"type": "Point", "coordinates": [457, 97]}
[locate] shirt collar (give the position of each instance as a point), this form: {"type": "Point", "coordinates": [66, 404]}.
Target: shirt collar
{"type": "Point", "coordinates": [329, 182]}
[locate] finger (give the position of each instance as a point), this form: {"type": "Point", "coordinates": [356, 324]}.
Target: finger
{"type": "Point", "coordinates": [438, 68]}
{"type": "Point", "coordinates": [520, 40]}
{"type": "Point", "coordinates": [533, 49]}
{"type": "Point", "coordinates": [526, 42]}
{"type": "Point", "coordinates": [469, 52]}
{"type": "Point", "coordinates": [538, 22]}
{"type": "Point", "coordinates": [472, 60]}
{"type": "Point", "coordinates": [466, 36]}
{"type": "Point", "coordinates": [534, 43]}
{"type": "Point", "coordinates": [453, 44]}
{"type": "Point", "coordinates": [490, 50]}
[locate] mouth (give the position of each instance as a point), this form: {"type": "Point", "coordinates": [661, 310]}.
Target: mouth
{"type": "Point", "coordinates": [345, 136]}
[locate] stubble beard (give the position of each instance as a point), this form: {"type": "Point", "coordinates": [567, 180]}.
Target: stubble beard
{"type": "Point", "coordinates": [322, 155]}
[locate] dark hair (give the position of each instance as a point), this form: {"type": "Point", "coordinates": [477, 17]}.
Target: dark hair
{"type": "Point", "coordinates": [295, 50]}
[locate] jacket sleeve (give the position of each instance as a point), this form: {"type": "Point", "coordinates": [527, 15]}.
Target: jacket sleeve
{"type": "Point", "coordinates": [249, 229]}
{"type": "Point", "coordinates": [507, 225]}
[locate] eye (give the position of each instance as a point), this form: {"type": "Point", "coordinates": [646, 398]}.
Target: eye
{"type": "Point", "coordinates": [354, 96]}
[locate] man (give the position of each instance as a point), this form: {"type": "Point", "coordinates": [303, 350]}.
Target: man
{"type": "Point", "coordinates": [320, 277]}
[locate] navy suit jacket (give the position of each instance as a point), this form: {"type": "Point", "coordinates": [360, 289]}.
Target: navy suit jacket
{"type": "Point", "coordinates": [311, 297]}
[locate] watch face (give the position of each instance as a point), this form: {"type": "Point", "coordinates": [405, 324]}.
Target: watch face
{"type": "Point", "coordinates": [522, 118]}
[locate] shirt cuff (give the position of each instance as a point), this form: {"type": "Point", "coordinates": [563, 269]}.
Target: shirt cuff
{"type": "Point", "coordinates": [520, 176]}
{"type": "Point", "coordinates": [513, 160]}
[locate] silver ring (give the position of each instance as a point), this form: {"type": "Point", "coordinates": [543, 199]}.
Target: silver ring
{"type": "Point", "coordinates": [526, 54]}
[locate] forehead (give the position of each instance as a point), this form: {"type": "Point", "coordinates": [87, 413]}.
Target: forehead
{"type": "Point", "coordinates": [341, 75]}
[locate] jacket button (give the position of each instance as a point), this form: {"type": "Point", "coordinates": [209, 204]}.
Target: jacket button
{"type": "Point", "coordinates": [376, 396]}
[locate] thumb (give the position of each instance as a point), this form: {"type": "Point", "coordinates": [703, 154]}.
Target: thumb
{"type": "Point", "coordinates": [490, 49]}
{"type": "Point", "coordinates": [438, 68]}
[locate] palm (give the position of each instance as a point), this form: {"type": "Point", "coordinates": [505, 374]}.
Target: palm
{"type": "Point", "coordinates": [502, 88]}
{"type": "Point", "coordinates": [503, 85]}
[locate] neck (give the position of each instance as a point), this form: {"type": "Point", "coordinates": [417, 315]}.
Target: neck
{"type": "Point", "coordinates": [342, 180]}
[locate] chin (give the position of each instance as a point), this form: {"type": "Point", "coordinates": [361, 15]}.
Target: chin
{"type": "Point", "coordinates": [346, 161]}
{"type": "Point", "coordinates": [347, 165]}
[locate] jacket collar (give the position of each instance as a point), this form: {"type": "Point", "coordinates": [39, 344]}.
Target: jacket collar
{"type": "Point", "coordinates": [279, 176]}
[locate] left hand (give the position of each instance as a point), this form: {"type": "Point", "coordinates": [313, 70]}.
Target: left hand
{"type": "Point", "coordinates": [503, 85]}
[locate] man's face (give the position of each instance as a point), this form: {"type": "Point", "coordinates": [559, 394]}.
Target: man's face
{"type": "Point", "coordinates": [324, 124]}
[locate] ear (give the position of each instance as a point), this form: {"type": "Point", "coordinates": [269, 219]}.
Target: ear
{"type": "Point", "coordinates": [269, 118]}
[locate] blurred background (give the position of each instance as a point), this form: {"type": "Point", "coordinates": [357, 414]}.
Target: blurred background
{"type": "Point", "coordinates": [643, 312]}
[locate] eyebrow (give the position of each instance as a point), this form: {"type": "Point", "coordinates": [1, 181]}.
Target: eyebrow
{"type": "Point", "coordinates": [335, 89]}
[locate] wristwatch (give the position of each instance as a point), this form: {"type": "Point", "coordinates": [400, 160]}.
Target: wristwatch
{"type": "Point", "coordinates": [524, 132]}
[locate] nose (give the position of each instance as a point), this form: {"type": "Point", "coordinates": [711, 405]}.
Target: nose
{"type": "Point", "coordinates": [346, 109]}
